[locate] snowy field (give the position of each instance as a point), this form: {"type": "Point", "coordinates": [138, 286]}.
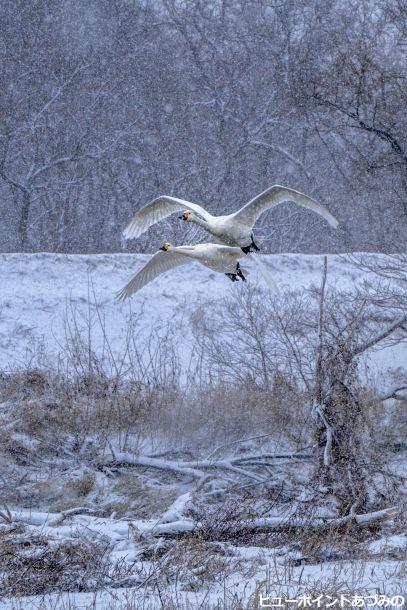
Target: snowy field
{"type": "Point", "coordinates": [147, 515]}
{"type": "Point", "coordinates": [41, 295]}
{"type": "Point", "coordinates": [364, 580]}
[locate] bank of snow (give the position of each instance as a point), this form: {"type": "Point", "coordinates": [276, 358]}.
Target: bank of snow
{"type": "Point", "coordinates": [42, 294]}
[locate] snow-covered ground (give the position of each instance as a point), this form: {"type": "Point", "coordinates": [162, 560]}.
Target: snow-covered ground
{"type": "Point", "coordinates": [41, 295]}
{"type": "Point", "coordinates": [272, 584]}
{"type": "Point", "coordinates": [46, 300]}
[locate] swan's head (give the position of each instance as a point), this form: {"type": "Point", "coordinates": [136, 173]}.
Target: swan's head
{"type": "Point", "coordinates": [165, 247]}
{"type": "Point", "coordinates": [186, 215]}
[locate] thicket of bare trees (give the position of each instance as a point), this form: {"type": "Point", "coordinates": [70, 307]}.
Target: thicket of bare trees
{"type": "Point", "coordinates": [307, 347]}
{"type": "Point", "coordinates": [108, 104]}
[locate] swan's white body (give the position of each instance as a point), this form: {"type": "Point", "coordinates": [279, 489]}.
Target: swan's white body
{"type": "Point", "coordinates": [234, 230]}
{"type": "Point", "coordinates": [221, 259]}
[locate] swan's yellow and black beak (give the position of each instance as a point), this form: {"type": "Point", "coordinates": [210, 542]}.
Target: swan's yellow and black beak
{"type": "Point", "coordinates": [184, 216]}
{"type": "Point", "coordinates": [165, 246]}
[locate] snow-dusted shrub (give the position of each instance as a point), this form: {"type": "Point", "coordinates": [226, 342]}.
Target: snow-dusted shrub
{"type": "Point", "coordinates": [35, 566]}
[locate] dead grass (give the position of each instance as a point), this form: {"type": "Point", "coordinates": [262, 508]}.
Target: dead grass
{"type": "Point", "coordinates": [63, 413]}
{"type": "Point", "coordinates": [142, 499]}
{"type": "Point", "coordinates": [33, 566]}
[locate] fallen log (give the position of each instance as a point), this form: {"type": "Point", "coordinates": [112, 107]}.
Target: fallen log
{"type": "Point", "coordinates": [196, 468]}
{"type": "Point", "coordinates": [264, 524]}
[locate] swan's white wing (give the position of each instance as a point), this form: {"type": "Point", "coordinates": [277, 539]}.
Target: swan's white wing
{"type": "Point", "coordinates": [265, 273]}
{"type": "Point", "coordinates": [159, 263]}
{"type": "Point", "coordinates": [275, 195]}
{"type": "Point", "coordinates": [157, 210]}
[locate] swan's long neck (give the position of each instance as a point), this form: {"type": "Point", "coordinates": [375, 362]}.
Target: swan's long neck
{"type": "Point", "coordinates": [200, 222]}
{"type": "Point", "coordinates": [206, 226]}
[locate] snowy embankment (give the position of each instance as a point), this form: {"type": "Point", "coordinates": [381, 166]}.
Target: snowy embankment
{"type": "Point", "coordinates": [45, 298]}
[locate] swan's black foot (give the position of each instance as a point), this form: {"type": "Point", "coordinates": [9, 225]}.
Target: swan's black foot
{"type": "Point", "coordinates": [246, 249]}
{"type": "Point", "coordinates": [239, 272]}
{"type": "Point", "coordinates": [232, 276]}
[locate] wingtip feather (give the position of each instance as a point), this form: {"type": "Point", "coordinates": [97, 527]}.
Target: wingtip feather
{"type": "Point", "coordinates": [121, 296]}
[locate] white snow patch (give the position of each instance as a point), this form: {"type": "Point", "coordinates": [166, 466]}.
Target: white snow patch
{"type": "Point", "coordinates": [42, 293]}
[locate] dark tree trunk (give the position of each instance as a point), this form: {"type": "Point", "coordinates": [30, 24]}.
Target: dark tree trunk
{"type": "Point", "coordinates": [23, 222]}
{"type": "Point", "coordinates": [338, 436]}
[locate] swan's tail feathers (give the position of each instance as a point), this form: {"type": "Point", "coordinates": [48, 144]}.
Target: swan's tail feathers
{"type": "Point", "coordinates": [265, 273]}
{"type": "Point", "coordinates": [258, 239]}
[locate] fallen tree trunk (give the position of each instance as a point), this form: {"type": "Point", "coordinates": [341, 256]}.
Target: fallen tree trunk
{"type": "Point", "coordinates": [196, 468]}
{"type": "Point", "coordinates": [264, 524]}
{"type": "Point", "coordinates": [184, 526]}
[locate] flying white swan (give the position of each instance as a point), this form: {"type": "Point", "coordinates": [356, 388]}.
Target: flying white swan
{"type": "Point", "coordinates": [222, 259]}
{"type": "Point", "coordinates": [234, 229]}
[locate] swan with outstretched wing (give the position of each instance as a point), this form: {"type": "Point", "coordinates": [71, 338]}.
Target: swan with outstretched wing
{"type": "Point", "coordinates": [222, 259]}
{"type": "Point", "coordinates": [234, 229]}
